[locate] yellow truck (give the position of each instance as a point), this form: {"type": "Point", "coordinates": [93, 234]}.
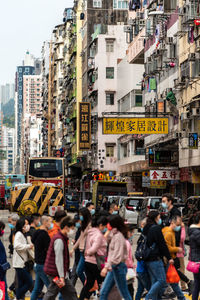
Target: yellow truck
{"type": "Point", "coordinates": [28, 198]}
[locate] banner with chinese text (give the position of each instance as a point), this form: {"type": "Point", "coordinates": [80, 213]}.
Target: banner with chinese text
{"type": "Point", "coordinates": [164, 175]}
{"type": "Point", "coordinates": [85, 126]}
{"type": "Point", "coordinates": [158, 184]}
{"type": "Point", "coordinates": [135, 126]}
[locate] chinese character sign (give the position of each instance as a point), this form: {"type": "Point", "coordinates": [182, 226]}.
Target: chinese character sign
{"type": "Point", "coordinates": [85, 126]}
{"type": "Point", "coordinates": [193, 140]}
{"type": "Point", "coordinates": [135, 126]}
{"type": "Point", "coordinates": [164, 175]}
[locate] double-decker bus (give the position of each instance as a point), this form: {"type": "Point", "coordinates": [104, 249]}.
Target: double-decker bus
{"type": "Point", "coordinates": [46, 169]}
{"type": "Point", "coordinates": [10, 181]}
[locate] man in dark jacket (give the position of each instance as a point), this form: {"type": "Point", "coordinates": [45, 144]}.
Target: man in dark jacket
{"type": "Point", "coordinates": [41, 241]}
{"type": "Point", "coordinates": [57, 264]}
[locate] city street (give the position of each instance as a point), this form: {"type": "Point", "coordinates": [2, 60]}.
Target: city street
{"type": "Point", "coordinates": [10, 273]}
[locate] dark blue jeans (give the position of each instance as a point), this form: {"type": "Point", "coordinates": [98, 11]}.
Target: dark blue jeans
{"type": "Point", "coordinates": [144, 282]}
{"type": "Point", "coordinates": [40, 280]}
{"type": "Point", "coordinates": [81, 268]}
{"type": "Point", "coordinates": [157, 274]}
{"type": "Point", "coordinates": [196, 289]}
{"type": "Point", "coordinates": [116, 276]}
{"type": "Point", "coordinates": [25, 282]}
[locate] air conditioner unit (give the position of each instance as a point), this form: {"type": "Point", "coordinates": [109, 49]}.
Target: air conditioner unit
{"type": "Point", "coordinates": [148, 103]}
{"type": "Point", "coordinates": [170, 40]}
{"type": "Point", "coordinates": [142, 22]}
{"type": "Point", "coordinates": [132, 22]}
{"type": "Point", "coordinates": [128, 28]}
{"type": "Point", "coordinates": [191, 57]}
{"type": "Point", "coordinates": [183, 116]}
{"type": "Point", "coordinates": [184, 143]}
{"type": "Point", "coordinates": [195, 111]}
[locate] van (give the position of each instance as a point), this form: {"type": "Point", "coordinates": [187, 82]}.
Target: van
{"type": "Point", "coordinates": [130, 209]}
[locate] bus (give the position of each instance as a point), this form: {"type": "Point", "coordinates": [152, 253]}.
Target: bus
{"type": "Point", "coordinates": [103, 189]}
{"type": "Point", "coordinates": [10, 181]}
{"type": "Point", "coordinates": [46, 169]}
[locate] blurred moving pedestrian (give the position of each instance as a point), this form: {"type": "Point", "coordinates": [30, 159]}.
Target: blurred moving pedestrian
{"type": "Point", "coordinates": [57, 263]}
{"type": "Point", "coordinates": [181, 255]}
{"type": "Point", "coordinates": [143, 278]}
{"type": "Point", "coordinates": [90, 206]}
{"type": "Point", "coordinates": [34, 224]}
{"type": "Point", "coordinates": [41, 241]}
{"type": "Point", "coordinates": [168, 205]}
{"type": "Point", "coordinates": [115, 268]}
{"type": "Point", "coordinates": [114, 210]}
{"type": "Point", "coordinates": [4, 265]}
{"type": "Point", "coordinates": [105, 204]}
{"type": "Point", "coordinates": [20, 257]}
{"type": "Point", "coordinates": [85, 217]}
{"type": "Point", "coordinates": [96, 246]}
{"type": "Point", "coordinates": [129, 260]}
{"type": "Point", "coordinates": [169, 236]}
{"type": "Point", "coordinates": [74, 276]}
{"type": "Point", "coordinates": [59, 216]}
{"type": "Point", "coordinates": [12, 223]}
{"type": "Point", "coordinates": [194, 256]}
{"type": "Point", "coordinates": [154, 263]}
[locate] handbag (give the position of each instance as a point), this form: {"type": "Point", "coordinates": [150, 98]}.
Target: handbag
{"type": "Point", "coordinates": [5, 267]}
{"type": "Point", "coordinates": [29, 264]}
{"type": "Point", "coordinates": [100, 261]}
{"type": "Point", "coordinates": [172, 275]}
{"type": "Point", "coordinates": [2, 290]}
{"type": "Point", "coordinates": [193, 267]}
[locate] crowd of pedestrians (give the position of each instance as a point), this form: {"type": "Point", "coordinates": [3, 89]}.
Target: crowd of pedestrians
{"type": "Point", "coordinates": [103, 255]}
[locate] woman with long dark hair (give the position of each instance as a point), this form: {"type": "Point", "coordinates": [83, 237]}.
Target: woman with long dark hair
{"type": "Point", "coordinates": [3, 260]}
{"type": "Point", "coordinates": [115, 269]}
{"type": "Point", "coordinates": [20, 257]}
{"type": "Point", "coordinates": [85, 218]}
{"type": "Point", "coordinates": [194, 236]}
{"type": "Point", "coordinates": [159, 249]}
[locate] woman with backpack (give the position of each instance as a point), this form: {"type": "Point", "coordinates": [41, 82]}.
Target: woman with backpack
{"type": "Point", "coordinates": [85, 218]}
{"type": "Point", "coordinates": [115, 268]}
{"type": "Point", "coordinates": [158, 249]}
{"type": "Point", "coordinates": [96, 246]}
{"type": "Point", "coordinates": [194, 256]}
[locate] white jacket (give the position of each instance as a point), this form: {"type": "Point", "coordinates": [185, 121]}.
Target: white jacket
{"type": "Point", "coordinates": [21, 245]}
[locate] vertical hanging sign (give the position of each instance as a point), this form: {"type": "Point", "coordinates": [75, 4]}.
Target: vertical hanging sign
{"type": "Point", "coordinates": [85, 126]}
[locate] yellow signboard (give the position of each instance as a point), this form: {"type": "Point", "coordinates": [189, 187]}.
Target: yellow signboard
{"type": "Point", "coordinates": [135, 126]}
{"type": "Point", "coordinates": [158, 184]}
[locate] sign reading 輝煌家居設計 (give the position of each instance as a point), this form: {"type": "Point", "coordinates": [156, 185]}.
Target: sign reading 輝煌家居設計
{"type": "Point", "coordinates": [135, 125]}
{"type": "Point", "coordinates": [164, 174]}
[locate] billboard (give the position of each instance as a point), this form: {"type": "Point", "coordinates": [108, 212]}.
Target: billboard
{"type": "Point", "coordinates": [135, 125]}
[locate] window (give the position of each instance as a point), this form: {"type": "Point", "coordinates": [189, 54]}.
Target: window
{"type": "Point", "coordinates": [109, 98]}
{"type": "Point", "coordinates": [110, 73]}
{"type": "Point", "coordinates": [20, 70]}
{"type": "Point", "coordinates": [26, 69]}
{"type": "Point", "coordinates": [109, 150]}
{"type": "Point", "coordinates": [97, 3]}
{"type": "Point", "coordinates": [120, 4]}
{"type": "Point", "coordinates": [138, 100]}
{"type": "Point", "coordinates": [109, 46]}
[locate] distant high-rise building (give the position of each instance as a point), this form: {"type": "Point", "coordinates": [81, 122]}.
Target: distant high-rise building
{"type": "Point", "coordinates": [7, 92]}
{"type": "Point", "coordinates": [30, 66]}
{"type": "Point", "coordinates": [8, 145]}
{"type": "Point", "coordinates": [1, 134]}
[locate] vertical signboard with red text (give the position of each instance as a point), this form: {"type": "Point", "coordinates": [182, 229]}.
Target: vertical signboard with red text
{"type": "Point", "coordinates": [85, 126]}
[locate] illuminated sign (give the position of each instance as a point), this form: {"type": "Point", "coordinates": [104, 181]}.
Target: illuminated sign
{"type": "Point", "coordinates": [85, 126]}
{"type": "Point", "coordinates": [135, 126]}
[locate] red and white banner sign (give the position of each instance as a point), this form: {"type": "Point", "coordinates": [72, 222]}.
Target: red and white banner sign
{"type": "Point", "coordinates": [164, 175]}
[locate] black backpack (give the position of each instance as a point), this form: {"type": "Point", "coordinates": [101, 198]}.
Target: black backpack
{"type": "Point", "coordinates": [143, 251]}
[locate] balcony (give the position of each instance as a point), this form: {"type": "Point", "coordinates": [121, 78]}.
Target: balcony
{"type": "Point", "coordinates": [136, 49]}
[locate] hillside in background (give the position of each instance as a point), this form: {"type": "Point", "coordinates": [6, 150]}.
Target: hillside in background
{"type": "Point", "coordinates": [9, 113]}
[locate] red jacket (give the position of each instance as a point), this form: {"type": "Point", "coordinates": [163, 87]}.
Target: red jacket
{"type": "Point", "coordinates": [50, 263]}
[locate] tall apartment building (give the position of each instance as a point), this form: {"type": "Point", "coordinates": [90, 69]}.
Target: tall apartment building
{"type": "Point", "coordinates": [7, 92]}
{"type": "Point", "coordinates": [32, 105]}
{"type": "Point", "coordinates": [8, 145]}
{"type": "Point", "coordinates": [29, 66]}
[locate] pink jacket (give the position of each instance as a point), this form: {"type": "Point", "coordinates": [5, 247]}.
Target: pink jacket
{"type": "Point", "coordinates": [95, 243]}
{"type": "Point", "coordinates": [182, 243]}
{"type": "Point", "coordinates": [81, 241]}
{"type": "Point", "coordinates": [117, 249]}
{"type": "Point", "coordinates": [129, 260]}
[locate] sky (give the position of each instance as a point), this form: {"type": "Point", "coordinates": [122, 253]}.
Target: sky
{"type": "Point", "coordinates": [24, 25]}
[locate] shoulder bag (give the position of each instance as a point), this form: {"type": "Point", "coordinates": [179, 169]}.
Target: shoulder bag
{"type": "Point", "coordinates": [27, 264]}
